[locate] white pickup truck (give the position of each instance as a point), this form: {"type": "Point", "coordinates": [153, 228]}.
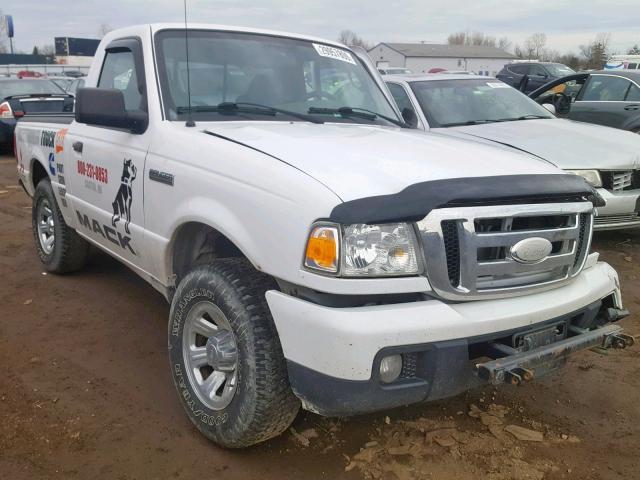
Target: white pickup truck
{"type": "Point", "coordinates": [316, 252]}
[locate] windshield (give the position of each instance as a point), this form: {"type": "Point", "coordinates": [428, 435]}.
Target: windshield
{"type": "Point", "coordinates": [288, 74]}
{"type": "Point", "coordinates": [448, 103]}
{"type": "Point", "coordinates": [9, 88]}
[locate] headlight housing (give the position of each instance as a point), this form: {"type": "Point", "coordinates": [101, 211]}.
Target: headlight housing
{"type": "Point", "coordinates": [363, 250]}
{"type": "Point", "coordinates": [592, 177]}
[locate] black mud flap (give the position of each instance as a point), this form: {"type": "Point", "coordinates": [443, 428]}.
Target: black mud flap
{"type": "Point", "coordinates": [524, 366]}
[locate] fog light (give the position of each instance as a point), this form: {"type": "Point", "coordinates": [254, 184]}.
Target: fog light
{"type": "Point", "coordinates": [390, 368]}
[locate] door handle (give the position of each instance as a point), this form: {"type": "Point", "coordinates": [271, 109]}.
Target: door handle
{"type": "Point", "coordinates": [632, 107]}
{"type": "Point", "coordinates": [77, 146]}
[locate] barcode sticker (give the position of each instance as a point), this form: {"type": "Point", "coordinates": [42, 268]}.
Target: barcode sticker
{"type": "Point", "coordinates": [335, 53]}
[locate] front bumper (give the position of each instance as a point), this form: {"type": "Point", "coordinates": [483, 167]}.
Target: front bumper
{"type": "Point", "coordinates": [333, 354]}
{"type": "Point", "coordinates": [622, 210]}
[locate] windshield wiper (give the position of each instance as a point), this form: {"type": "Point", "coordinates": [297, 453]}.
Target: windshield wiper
{"type": "Point", "coordinates": [355, 112]}
{"type": "Point", "coordinates": [493, 120]}
{"type": "Point", "coordinates": [246, 107]}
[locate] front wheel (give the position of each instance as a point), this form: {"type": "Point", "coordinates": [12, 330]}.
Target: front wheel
{"type": "Point", "coordinates": [226, 359]}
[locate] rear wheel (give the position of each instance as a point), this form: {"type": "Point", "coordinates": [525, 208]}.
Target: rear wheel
{"type": "Point", "coordinates": [226, 359]}
{"type": "Point", "coordinates": [59, 247]}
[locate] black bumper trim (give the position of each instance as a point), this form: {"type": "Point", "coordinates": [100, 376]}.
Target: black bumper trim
{"type": "Point", "coordinates": [442, 369]}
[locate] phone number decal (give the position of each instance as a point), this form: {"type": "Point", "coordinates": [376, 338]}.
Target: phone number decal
{"type": "Point", "coordinates": [94, 172]}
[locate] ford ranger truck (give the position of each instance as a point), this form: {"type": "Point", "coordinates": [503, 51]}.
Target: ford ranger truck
{"type": "Point", "coordinates": [316, 252]}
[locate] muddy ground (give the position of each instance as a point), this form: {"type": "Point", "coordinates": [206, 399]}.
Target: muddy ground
{"type": "Point", "coordinates": [85, 392]}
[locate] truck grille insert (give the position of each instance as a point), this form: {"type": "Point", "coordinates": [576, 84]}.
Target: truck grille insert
{"type": "Point", "coordinates": [619, 181]}
{"type": "Point", "coordinates": [469, 249]}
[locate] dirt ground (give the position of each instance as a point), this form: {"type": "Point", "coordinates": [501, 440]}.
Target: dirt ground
{"type": "Point", "coordinates": [85, 392]}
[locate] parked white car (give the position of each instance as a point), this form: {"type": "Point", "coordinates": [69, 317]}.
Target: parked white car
{"type": "Point", "coordinates": [315, 252]}
{"type": "Point", "coordinates": [488, 110]}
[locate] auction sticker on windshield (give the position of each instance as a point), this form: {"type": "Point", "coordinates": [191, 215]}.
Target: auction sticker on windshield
{"type": "Point", "coordinates": [335, 53]}
{"type": "Point", "coordinates": [498, 85]}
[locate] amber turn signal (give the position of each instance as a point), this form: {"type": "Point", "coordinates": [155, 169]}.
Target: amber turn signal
{"type": "Point", "coordinates": [322, 249]}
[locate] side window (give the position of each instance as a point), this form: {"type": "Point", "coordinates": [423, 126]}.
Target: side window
{"type": "Point", "coordinates": [537, 70]}
{"type": "Point", "coordinates": [606, 89]}
{"type": "Point", "coordinates": [400, 96]}
{"type": "Point", "coordinates": [119, 71]}
{"type": "Point", "coordinates": [632, 66]}
{"type": "Point", "coordinates": [519, 69]}
{"type": "Point", "coordinates": [634, 94]}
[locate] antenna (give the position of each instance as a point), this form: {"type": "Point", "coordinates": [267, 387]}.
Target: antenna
{"type": "Point", "coordinates": [190, 122]}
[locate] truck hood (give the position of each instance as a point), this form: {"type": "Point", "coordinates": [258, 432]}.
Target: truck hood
{"type": "Point", "coordinates": [565, 143]}
{"type": "Point", "coordinates": [357, 161]}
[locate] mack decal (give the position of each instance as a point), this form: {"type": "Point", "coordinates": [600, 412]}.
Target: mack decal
{"type": "Point", "coordinates": [107, 232]}
{"type": "Point", "coordinates": [59, 140]}
{"type": "Point", "coordinates": [122, 204]}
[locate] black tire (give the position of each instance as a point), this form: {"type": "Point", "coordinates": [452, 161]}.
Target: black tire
{"type": "Point", "coordinates": [70, 251]}
{"type": "Point", "coordinates": [263, 405]}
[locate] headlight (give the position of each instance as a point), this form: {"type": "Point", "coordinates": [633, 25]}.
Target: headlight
{"type": "Point", "coordinates": [591, 176]}
{"type": "Point", "coordinates": [377, 250]}
{"type": "Point", "coordinates": [363, 250]}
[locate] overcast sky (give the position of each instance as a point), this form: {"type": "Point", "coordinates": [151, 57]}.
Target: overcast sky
{"type": "Point", "coordinates": [567, 23]}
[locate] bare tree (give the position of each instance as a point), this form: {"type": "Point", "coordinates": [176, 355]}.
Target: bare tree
{"type": "Point", "coordinates": [504, 43]}
{"type": "Point", "coordinates": [534, 46]}
{"type": "Point", "coordinates": [595, 54]}
{"type": "Point", "coordinates": [351, 39]}
{"type": "Point", "coordinates": [104, 29]}
{"type": "Point", "coordinates": [635, 50]}
{"type": "Point", "coordinates": [474, 38]}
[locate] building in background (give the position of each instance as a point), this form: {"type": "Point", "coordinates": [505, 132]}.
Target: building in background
{"type": "Point", "coordinates": [422, 57]}
{"type": "Point", "coordinates": [75, 51]}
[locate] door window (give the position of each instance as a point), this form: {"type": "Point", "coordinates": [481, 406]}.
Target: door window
{"type": "Point", "coordinates": [119, 71]}
{"type": "Point", "coordinates": [519, 69]}
{"type": "Point", "coordinates": [537, 70]}
{"type": "Point", "coordinates": [400, 96]}
{"type": "Point", "coordinates": [634, 94]}
{"type": "Point", "coordinates": [606, 89]}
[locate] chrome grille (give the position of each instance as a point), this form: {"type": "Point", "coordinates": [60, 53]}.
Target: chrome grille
{"type": "Point", "coordinates": [614, 219]}
{"type": "Point", "coordinates": [468, 249]}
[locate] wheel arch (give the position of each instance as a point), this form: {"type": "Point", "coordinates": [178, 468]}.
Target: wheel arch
{"type": "Point", "coordinates": [196, 243]}
{"type": "Point", "coordinates": [37, 172]}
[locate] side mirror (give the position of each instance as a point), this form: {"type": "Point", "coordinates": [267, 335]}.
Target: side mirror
{"type": "Point", "coordinates": [550, 106]}
{"type": "Point", "coordinates": [409, 117]}
{"type": "Point", "coordinates": [104, 107]}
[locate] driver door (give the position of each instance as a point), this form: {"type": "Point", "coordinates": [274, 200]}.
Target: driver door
{"type": "Point", "coordinates": [106, 176]}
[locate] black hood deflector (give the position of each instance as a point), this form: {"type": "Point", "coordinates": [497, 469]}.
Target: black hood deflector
{"type": "Point", "coordinates": [416, 201]}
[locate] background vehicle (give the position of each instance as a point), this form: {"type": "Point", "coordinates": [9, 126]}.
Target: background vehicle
{"type": "Point", "coordinates": [28, 74]}
{"type": "Point", "coordinates": [32, 96]}
{"type": "Point", "coordinates": [623, 62]}
{"type": "Point", "coordinates": [606, 97]}
{"type": "Point", "coordinates": [528, 76]}
{"type": "Point", "coordinates": [486, 109]}
{"type": "Point", "coordinates": [74, 85]}
{"type": "Point", "coordinates": [62, 82]}
{"type": "Point", "coordinates": [393, 71]}
{"type": "Point", "coordinates": [306, 262]}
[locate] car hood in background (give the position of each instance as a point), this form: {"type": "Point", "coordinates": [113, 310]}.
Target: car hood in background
{"type": "Point", "coordinates": [357, 161]}
{"type": "Point", "coordinates": [565, 143]}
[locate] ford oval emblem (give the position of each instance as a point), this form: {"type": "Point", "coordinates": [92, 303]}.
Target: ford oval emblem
{"type": "Point", "coordinates": [531, 250]}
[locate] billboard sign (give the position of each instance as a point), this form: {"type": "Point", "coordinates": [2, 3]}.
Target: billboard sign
{"type": "Point", "coordinates": [6, 26]}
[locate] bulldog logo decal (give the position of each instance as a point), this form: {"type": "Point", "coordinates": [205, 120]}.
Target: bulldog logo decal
{"type": "Point", "coordinates": [124, 197]}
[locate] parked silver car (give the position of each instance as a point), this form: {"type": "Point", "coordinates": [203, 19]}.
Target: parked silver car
{"type": "Point", "coordinates": [488, 110]}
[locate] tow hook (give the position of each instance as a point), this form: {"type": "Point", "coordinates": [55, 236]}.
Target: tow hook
{"type": "Point", "coordinates": [619, 341]}
{"type": "Point", "coordinates": [517, 376]}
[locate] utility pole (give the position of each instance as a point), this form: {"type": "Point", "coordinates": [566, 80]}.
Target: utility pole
{"type": "Point", "coordinates": [11, 44]}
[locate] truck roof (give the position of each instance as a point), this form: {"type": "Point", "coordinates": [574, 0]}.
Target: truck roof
{"type": "Point", "coordinates": [156, 27]}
